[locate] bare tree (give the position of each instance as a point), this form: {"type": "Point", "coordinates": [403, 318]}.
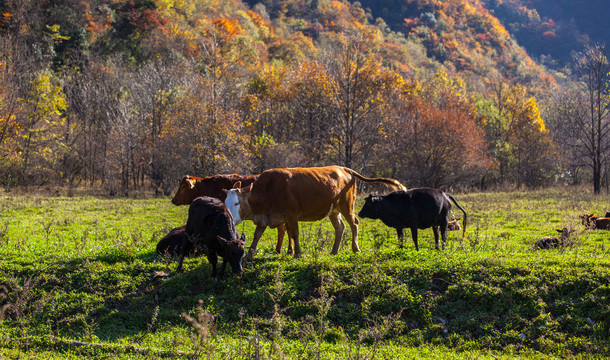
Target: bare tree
{"type": "Point", "coordinates": [592, 69]}
{"type": "Point", "coordinates": [564, 114]}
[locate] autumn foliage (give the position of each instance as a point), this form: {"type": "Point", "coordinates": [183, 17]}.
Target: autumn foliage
{"type": "Point", "coordinates": [130, 95]}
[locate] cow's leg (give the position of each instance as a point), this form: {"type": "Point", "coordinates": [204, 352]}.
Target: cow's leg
{"type": "Point", "coordinates": [292, 226]}
{"type": "Point", "coordinates": [443, 227]}
{"type": "Point", "coordinates": [444, 235]}
{"type": "Point", "coordinates": [179, 268]}
{"type": "Point", "coordinates": [414, 235]}
{"type": "Point", "coordinates": [401, 237]}
{"type": "Point", "coordinates": [213, 260]}
{"type": "Point", "coordinates": [260, 229]}
{"type": "Point", "coordinates": [281, 232]}
{"type": "Point", "coordinates": [352, 221]}
{"type": "Point", "coordinates": [222, 268]}
{"type": "Point", "coordinates": [335, 219]}
{"type": "Point", "coordinates": [435, 230]}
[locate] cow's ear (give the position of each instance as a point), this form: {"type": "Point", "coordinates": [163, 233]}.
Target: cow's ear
{"type": "Point", "coordinates": [237, 185]}
{"type": "Point", "coordinates": [191, 181]}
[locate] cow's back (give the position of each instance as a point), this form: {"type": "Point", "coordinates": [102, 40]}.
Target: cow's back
{"type": "Point", "coordinates": [213, 186]}
{"type": "Point", "coordinates": [308, 193]}
{"type": "Point", "coordinates": [192, 187]}
{"type": "Point", "coordinates": [209, 217]}
{"type": "Point", "coordinates": [420, 207]}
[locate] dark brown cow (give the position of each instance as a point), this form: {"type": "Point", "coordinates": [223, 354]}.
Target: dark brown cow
{"type": "Point", "coordinates": [210, 227]}
{"type": "Point", "coordinates": [601, 223]}
{"type": "Point", "coordinates": [287, 196]}
{"type": "Point", "coordinates": [192, 187]}
{"type": "Point", "coordinates": [552, 242]}
{"type": "Point", "coordinates": [177, 244]}
{"type": "Point", "coordinates": [591, 221]}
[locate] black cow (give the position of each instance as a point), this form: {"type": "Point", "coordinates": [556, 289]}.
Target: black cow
{"type": "Point", "coordinates": [418, 208]}
{"type": "Point", "coordinates": [211, 226]}
{"type": "Point", "coordinates": [176, 243]}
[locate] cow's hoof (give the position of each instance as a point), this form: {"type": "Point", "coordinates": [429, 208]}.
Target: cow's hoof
{"type": "Point", "coordinates": [250, 254]}
{"type": "Point", "coordinates": [297, 255]}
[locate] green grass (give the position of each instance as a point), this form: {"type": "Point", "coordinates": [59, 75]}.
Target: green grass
{"type": "Point", "coordinates": [76, 280]}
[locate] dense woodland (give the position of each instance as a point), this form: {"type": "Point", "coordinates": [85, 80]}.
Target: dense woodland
{"type": "Point", "coordinates": [131, 95]}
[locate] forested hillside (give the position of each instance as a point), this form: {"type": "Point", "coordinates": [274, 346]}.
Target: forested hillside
{"type": "Point", "coordinates": [552, 30]}
{"type": "Point", "coordinates": [131, 95]}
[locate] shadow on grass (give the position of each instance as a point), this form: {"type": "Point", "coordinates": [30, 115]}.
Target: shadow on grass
{"type": "Point", "coordinates": [154, 301]}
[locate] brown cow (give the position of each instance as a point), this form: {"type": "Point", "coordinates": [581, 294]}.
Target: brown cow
{"type": "Point", "coordinates": [601, 223]}
{"type": "Point", "coordinates": [192, 187]}
{"type": "Point", "coordinates": [591, 221]}
{"type": "Point", "coordinates": [454, 225]}
{"type": "Point", "coordinates": [287, 196]}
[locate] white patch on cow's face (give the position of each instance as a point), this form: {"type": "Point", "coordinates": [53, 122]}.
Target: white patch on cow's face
{"type": "Point", "coordinates": [191, 182]}
{"type": "Point", "coordinates": [232, 202]}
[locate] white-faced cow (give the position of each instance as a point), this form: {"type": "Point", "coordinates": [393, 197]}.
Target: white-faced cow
{"type": "Point", "coordinates": [418, 208]}
{"type": "Point", "coordinates": [216, 186]}
{"type": "Point", "coordinates": [210, 226]}
{"type": "Point", "coordinates": [287, 196]}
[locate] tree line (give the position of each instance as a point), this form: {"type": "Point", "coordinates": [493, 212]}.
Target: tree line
{"type": "Point", "coordinates": [137, 111]}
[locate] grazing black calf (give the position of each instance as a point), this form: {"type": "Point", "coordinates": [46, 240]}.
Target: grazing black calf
{"type": "Point", "coordinates": [418, 208]}
{"type": "Point", "coordinates": [177, 244]}
{"type": "Point", "coordinates": [211, 227]}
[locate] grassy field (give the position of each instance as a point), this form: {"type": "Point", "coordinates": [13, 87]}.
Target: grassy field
{"type": "Point", "coordinates": [76, 280]}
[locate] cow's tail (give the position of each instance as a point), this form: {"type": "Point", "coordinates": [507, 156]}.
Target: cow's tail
{"type": "Point", "coordinates": [464, 211]}
{"type": "Point", "coordinates": [391, 182]}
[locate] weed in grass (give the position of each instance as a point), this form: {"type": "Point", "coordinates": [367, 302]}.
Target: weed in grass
{"type": "Point", "coordinates": [5, 307]}
{"type": "Point", "coordinates": [24, 304]}
{"type": "Point", "coordinates": [379, 239]}
{"type": "Point", "coordinates": [83, 241]}
{"type": "Point", "coordinates": [376, 331]}
{"type": "Point", "coordinates": [205, 328]}
{"type": "Point", "coordinates": [151, 325]}
{"type": "Point", "coordinates": [315, 327]}
{"type": "Point", "coordinates": [88, 327]}
{"type": "Point", "coordinates": [47, 227]}
{"type": "Point", "coordinates": [474, 239]}
{"type": "Point", "coordinates": [4, 233]}
{"type": "Point", "coordinates": [323, 239]}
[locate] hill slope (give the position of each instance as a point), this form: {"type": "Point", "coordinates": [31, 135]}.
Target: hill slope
{"type": "Point", "coordinates": [551, 30]}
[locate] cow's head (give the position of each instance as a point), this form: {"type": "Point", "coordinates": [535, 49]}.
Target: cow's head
{"type": "Point", "coordinates": [237, 202]}
{"type": "Point", "coordinates": [185, 194]}
{"type": "Point", "coordinates": [233, 252]}
{"type": "Point", "coordinates": [371, 206]}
